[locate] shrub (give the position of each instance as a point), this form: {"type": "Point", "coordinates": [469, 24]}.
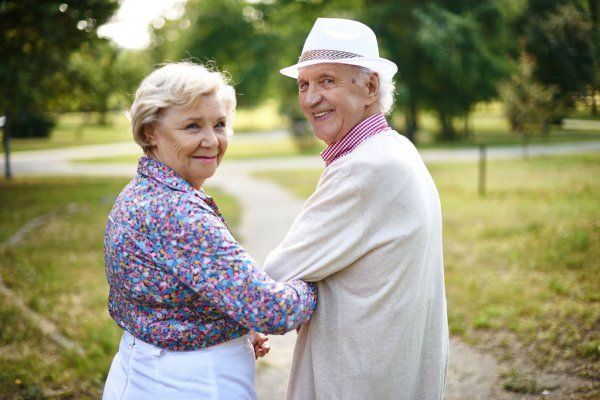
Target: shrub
{"type": "Point", "coordinates": [31, 126]}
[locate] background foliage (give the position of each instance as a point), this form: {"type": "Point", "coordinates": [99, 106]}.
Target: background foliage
{"type": "Point", "coordinates": [37, 39]}
{"type": "Point", "coordinates": [451, 55]}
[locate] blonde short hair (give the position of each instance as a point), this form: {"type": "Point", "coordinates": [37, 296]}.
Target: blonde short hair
{"type": "Point", "coordinates": [180, 84]}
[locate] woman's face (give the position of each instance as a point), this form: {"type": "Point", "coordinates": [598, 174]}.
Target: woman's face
{"type": "Point", "coordinates": [191, 141]}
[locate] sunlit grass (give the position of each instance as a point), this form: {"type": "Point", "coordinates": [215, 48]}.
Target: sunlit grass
{"type": "Point", "coordinates": [487, 124]}
{"type": "Point", "coordinates": [283, 146]}
{"type": "Point", "coordinates": [58, 271]}
{"type": "Point", "coordinates": [523, 260]}
{"type": "Point", "coordinates": [262, 118]}
{"type": "Point", "coordinates": [79, 129]}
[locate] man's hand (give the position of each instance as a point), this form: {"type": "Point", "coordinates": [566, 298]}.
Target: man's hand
{"type": "Point", "coordinates": [260, 343]}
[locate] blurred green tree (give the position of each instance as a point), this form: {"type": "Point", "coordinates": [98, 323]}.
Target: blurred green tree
{"type": "Point", "coordinates": [396, 25]}
{"type": "Point", "coordinates": [93, 78]}
{"type": "Point", "coordinates": [593, 7]}
{"type": "Point", "coordinates": [450, 54]}
{"type": "Point", "coordinates": [562, 36]}
{"type": "Point", "coordinates": [36, 40]}
{"type": "Point", "coordinates": [102, 77]}
{"type": "Point", "coordinates": [527, 103]}
{"type": "Point", "coordinates": [229, 33]}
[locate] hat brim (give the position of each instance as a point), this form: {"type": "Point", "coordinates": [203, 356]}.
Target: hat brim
{"type": "Point", "coordinates": [383, 67]}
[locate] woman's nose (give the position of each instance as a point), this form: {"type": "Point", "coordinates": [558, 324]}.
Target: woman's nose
{"type": "Point", "coordinates": [209, 139]}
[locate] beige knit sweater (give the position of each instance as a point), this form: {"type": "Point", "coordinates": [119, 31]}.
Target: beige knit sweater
{"type": "Point", "coordinates": [371, 236]}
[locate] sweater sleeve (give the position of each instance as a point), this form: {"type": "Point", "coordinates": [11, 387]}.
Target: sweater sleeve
{"type": "Point", "coordinates": [327, 235]}
{"type": "Point", "coordinates": [204, 256]}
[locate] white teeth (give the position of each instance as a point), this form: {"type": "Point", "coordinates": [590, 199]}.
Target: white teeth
{"type": "Point", "coordinates": [320, 114]}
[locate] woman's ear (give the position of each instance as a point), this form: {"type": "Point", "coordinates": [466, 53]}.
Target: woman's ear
{"type": "Point", "coordinates": [150, 134]}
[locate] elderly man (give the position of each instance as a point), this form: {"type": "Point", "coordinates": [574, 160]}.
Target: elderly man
{"type": "Point", "coordinates": [370, 235]}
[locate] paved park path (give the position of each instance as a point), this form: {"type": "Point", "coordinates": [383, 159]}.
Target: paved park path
{"type": "Point", "coordinates": [268, 211]}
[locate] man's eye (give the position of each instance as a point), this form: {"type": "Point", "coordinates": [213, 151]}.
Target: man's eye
{"type": "Point", "coordinates": [192, 126]}
{"type": "Point", "coordinates": [328, 81]}
{"type": "Point", "coordinates": [302, 85]}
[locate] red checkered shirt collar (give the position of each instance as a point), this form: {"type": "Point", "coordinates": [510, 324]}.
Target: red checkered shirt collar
{"type": "Point", "coordinates": [368, 127]}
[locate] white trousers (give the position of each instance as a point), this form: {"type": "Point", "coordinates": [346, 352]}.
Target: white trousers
{"type": "Point", "coordinates": [146, 372]}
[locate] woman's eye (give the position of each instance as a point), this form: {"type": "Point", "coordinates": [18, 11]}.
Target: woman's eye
{"type": "Point", "coordinates": [220, 124]}
{"type": "Point", "coordinates": [192, 126]}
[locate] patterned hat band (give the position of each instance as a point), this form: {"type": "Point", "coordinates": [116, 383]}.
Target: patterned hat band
{"type": "Point", "coordinates": [326, 55]}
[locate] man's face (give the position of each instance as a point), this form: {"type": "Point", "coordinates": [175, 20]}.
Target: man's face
{"type": "Point", "coordinates": [333, 99]}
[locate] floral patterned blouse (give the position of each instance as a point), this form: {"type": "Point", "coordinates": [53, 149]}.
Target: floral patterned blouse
{"type": "Point", "coordinates": [178, 279]}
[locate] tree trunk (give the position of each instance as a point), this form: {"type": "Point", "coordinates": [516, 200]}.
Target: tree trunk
{"type": "Point", "coordinates": [103, 118]}
{"type": "Point", "coordinates": [103, 112]}
{"type": "Point", "coordinates": [6, 142]}
{"type": "Point", "coordinates": [594, 8]}
{"type": "Point", "coordinates": [411, 121]}
{"type": "Point", "coordinates": [467, 128]}
{"type": "Point", "coordinates": [447, 134]}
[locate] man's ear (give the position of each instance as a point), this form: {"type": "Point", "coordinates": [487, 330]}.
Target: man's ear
{"type": "Point", "coordinates": [372, 88]}
{"type": "Point", "coordinates": [150, 134]}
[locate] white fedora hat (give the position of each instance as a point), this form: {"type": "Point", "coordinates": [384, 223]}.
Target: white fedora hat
{"type": "Point", "coordinates": [342, 41]}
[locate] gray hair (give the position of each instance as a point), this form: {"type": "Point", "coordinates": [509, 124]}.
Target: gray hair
{"type": "Point", "coordinates": [386, 89]}
{"type": "Point", "coordinates": [179, 84]}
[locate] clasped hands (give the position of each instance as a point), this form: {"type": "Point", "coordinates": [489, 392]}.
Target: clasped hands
{"type": "Point", "coordinates": [260, 343]}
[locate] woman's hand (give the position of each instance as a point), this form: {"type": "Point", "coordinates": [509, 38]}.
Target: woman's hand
{"type": "Point", "coordinates": [260, 343]}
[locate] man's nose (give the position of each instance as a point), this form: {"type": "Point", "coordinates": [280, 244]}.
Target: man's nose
{"type": "Point", "coordinates": [311, 97]}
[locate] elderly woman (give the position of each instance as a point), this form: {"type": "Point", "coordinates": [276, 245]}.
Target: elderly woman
{"type": "Point", "coordinates": [183, 290]}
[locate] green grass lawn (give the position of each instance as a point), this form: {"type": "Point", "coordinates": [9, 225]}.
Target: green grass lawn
{"type": "Point", "coordinates": [58, 270]}
{"type": "Point", "coordinates": [523, 261]}
{"type": "Point", "coordinates": [487, 124]}
{"type": "Point", "coordinates": [79, 129]}
{"type": "Point", "coordinates": [276, 147]}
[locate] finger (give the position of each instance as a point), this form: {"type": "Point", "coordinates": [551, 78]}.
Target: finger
{"type": "Point", "coordinates": [261, 338]}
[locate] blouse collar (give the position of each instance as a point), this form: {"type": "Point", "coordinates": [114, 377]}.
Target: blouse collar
{"type": "Point", "coordinates": [161, 173]}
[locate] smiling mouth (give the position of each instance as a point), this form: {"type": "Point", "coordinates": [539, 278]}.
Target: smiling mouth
{"type": "Point", "coordinates": [205, 157]}
{"type": "Point", "coordinates": [322, 114]}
